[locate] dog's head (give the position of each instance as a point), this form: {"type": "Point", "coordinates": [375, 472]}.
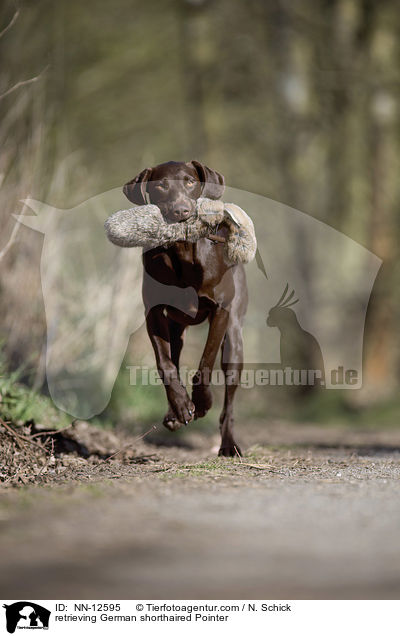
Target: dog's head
{"type": "Point", "coordinates": [175, 187]}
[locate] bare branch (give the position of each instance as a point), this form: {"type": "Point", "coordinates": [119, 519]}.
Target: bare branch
{"type": "Point", "coordinates": [23, 83]}
{"type": "Point", "coordinates": [13, 237]}
{"type": "Point", "coordinates": [18, 436]}
{"type": "Point", "coordinates": [10, 24]}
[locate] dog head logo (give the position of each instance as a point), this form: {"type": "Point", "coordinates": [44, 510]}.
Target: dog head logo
{"type": "Point", "coordinates": [26, 615]}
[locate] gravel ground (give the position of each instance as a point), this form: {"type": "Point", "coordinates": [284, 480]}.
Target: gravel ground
{"type": "Point", "coordinates": [308, 513]}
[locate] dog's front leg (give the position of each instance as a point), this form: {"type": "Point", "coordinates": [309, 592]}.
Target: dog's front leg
{"type": "Point", "coordinates": [201, 394]}
{"type": "Point", "coordinates": [157, 328]}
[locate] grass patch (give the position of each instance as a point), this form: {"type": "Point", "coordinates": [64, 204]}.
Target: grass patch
{"type": "Point", "coordinates": [20, 404]}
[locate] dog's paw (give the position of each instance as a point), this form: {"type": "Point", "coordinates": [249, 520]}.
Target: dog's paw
{"type": "Point", "coordinates": [181, 405]}
{"type": "Point", "coordinates": [170, 422]}
{"type": "Point", "coordinates": [229, 449]}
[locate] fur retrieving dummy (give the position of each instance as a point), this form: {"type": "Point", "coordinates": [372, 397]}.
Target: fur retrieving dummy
{"type": "Point", "coordinates": [144, 226]}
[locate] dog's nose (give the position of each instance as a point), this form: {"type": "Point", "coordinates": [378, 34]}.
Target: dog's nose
{"type": "Point", "coordinates": [181, 213]}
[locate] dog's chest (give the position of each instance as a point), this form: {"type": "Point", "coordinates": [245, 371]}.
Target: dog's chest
{"type": "Point", "coordinates": [185, 252]}
{"type": "Point", "coordinates": [199, 263]}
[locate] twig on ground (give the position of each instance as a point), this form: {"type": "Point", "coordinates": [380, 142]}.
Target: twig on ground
{"type": "Point", "coordinates": [44, 432]}
{"type": "Point", "coordinates": [124, 448]}
{"type": "Point", "coordinates": [13, 434]}
{"type": "Point", "coordinates": [259, 466]}
{"type": "Point", "coordinates": [161, 470]}
{"type": "Point", "coordinates": [21, 437]}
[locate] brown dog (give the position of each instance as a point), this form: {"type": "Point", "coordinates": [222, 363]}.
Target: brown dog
{"type": "Point", "coordinates": [222, 294]}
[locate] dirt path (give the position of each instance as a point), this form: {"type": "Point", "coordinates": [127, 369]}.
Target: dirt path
{"type": "Point", "coordinates": [310, 513]}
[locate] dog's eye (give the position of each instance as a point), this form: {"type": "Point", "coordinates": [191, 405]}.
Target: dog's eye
{"type": "Point", "coordinates": [162, 186]}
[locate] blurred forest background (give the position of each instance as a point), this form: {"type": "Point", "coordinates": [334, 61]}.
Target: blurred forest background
{"type": "Point", "coordinates": [296, 101]}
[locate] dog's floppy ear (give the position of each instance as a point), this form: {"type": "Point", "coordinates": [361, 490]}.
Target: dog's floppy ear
{"type": "Point", "coordinates": [135, 190]}
{"type": "Point", "coordinates": [213, 182]}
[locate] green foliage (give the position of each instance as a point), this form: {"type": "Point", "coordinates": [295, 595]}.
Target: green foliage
{"type": "Point", "coordinates": [20, 404]}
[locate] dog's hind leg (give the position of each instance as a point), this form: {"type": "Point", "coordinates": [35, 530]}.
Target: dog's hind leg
{"type": "Point", "coordinates": [232, 365]}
